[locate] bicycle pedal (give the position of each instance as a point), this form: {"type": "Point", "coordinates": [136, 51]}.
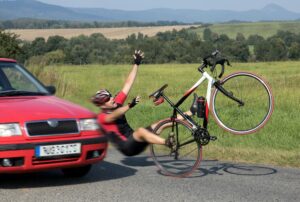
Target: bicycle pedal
{"type": "Point", "coordinates": [213, 138]}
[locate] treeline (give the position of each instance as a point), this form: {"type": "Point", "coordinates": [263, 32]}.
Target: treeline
{"type": "Point", "coordinates": [25, 23]}
{"type": "Point", "coordinates": [183, 46]}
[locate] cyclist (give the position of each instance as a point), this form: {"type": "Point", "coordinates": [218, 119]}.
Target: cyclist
{"type": "Point", "coordinates": [112, 117]}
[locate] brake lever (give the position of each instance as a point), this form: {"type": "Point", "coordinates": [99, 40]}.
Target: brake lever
{"type": "Point", "coordinates": [222, 63]}
{"type": "Point", "coordinates": [212, 67]}
{"type": "Point", "coordinates": [222, 71]}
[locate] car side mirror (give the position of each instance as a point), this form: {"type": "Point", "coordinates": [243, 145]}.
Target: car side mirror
{"type": "Point", "coordinates": [51, 89]}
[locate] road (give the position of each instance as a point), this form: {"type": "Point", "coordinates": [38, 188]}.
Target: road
{"type": "Point", "coordinates": [136, 179]}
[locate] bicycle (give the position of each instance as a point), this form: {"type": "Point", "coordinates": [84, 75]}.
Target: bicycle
{"type": "Point", "coordinates": [241, 103]}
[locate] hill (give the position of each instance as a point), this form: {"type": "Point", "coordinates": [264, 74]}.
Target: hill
{"type": "Point", "coordinates": [264, 29]}
{"type": "Point", "coordinates": [38, 10]}
{"type": "Point", "coordinates": [270, 12]}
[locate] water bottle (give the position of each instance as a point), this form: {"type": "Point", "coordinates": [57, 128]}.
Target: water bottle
{"type": "Point", "coordinates": [201, 107]}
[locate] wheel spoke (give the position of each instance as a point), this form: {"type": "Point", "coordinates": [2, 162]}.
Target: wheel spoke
{"type": "Point", "coordinates": [185, 158]}
{"type": "Point", "coordinates": [257, 107]}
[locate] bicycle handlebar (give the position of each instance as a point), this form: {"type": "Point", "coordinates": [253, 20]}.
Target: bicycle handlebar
{"type": "Point", "coordinates": [215, 61]}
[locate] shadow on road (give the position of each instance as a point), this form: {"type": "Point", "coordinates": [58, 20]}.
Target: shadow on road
{"type": "Point", "coordinates": [209, 167]}
{"type": "Point", "coordinates": [214, 167]}
{"type": "Point", "coordinates": [100, 172]}
{"type": "Point", "coordinates": [139, 161]}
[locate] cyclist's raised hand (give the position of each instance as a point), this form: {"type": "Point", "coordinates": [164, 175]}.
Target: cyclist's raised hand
{"type": "Point", "coordinates": [138, 57]}
{"type": "Point", "coordinates": [134, 102]}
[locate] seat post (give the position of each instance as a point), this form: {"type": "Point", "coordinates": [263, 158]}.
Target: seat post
{"type": "Point", "coordinates": [167, 99]}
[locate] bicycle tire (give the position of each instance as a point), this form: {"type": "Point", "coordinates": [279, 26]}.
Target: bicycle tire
{"type": "Point", "coordinates": [189, 155]}
{"type": "Point", "coordinates": [256, 111]}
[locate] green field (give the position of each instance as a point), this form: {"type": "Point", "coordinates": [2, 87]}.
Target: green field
{"type": "Point", "coordinates": [264, 29]}
{"type": "Point", "coordinates": [277, 144]}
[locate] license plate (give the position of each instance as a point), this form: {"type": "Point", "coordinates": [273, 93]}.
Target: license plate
{"type": "Point", "coordinates": [58, 150]}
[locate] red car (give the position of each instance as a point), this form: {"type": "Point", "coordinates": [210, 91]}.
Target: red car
{"type": "Point", "coordinates": [39, 131]}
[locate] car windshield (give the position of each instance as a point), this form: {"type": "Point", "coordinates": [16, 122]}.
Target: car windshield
{"type": "Point", "coordinates": [16, 81]}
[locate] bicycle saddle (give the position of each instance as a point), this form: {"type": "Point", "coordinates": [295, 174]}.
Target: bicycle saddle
{"type": "Point", "coordinates": [159, 92]}
{"type": "Point", "coordinates": [157, 95]}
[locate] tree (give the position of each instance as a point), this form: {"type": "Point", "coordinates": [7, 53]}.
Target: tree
{"type": "Point", "coordinates": [255, 39]}
{"type": "Point", "coordinates": [273, 49]}
{"type": "Point", "coordinates": [294, 51]}
{"type": "Point", "coordinates": [53, 57]}
{"type": "Point", "coordinates": [240, 37]}
{"type": "Point", "coordinates": [207, 34]}
{"type": "Point", "coordinates": [38, 46]}
{"type": "Point", "coordinates": [10, 45]}
{"type": "Point", "coordinates": [278, 49]}
{"type": "Point", "coordinates": [79, 55]}
{"type": "Point", "coordinates": [55, 43]}
{"type": "Point", "coordinates": [287, 37]}
{"type": "Point", "coordinates": [261, 50]}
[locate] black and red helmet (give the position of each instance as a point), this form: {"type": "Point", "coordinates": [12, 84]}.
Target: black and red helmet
{"type": "Point", "coordinates": [101, 97]}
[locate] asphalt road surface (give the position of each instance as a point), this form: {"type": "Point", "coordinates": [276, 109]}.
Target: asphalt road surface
{"type": "Point", "coordinates": [119, 178]}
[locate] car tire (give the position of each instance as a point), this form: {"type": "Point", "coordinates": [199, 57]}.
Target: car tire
{"type": "Point", "coordinates": [77, 171]}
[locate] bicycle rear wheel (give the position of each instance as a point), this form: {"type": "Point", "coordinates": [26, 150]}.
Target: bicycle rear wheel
{"type": "Point", "coordinates": [258, 101]}
{"type": "Point", "coordinates": [188, 152]}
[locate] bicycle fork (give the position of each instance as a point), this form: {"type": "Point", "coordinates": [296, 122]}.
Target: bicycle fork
{"type": "Point", "coordinates": [219, 86]}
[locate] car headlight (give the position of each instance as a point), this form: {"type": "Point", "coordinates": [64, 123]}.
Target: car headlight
{"type": "Point", "coordinates": [88, 124]}
{"type": "Point", "coordinates": [10, 129]}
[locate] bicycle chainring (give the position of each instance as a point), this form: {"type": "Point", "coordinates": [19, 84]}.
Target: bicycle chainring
{"type": "Point", "coordinates": [202, 136]}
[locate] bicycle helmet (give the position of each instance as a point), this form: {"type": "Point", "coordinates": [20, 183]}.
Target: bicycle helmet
{"type": "Point", "coordinates": [101, 97]}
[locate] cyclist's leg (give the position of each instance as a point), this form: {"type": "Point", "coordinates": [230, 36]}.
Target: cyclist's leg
{"type": "Point", "coordinates": [131, 147]}
{"type": "Point", "coordinates": [144, 135]}
{"type": "Point", "coordinates": [147, 135]}
{"type": "Point", "coordinates": [188, 113]}
{"type": "Point", "coordinates": [179, 117]}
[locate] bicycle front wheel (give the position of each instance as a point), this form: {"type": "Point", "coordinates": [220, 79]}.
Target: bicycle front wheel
{"type": "Point", "coordinates": [184, 158]}
{"type": "Point", "coordinates": [257, 107]}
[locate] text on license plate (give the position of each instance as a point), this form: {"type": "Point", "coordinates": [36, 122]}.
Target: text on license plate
{"type": "Point", "coordinates": [57, 150]}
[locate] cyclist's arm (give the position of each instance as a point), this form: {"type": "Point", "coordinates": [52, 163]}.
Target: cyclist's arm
{"type": "Point", "coordinates": [109, 118]}
{"type": "Point", "coordinates": [130, 80]}
{"type": "Point", "coordinates": [138, 56]}
{"type": "Point", "coordinates": [121, 110]}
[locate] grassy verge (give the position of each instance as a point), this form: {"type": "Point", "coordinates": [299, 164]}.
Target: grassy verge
{"type": "Point", "coordinates": [278, 143]}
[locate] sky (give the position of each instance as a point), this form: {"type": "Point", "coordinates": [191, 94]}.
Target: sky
{"type": "Point", "coordinates": [237, 5]}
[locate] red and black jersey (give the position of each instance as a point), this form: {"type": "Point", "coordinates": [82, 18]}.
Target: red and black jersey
{"type": "Point", "coordinates": [120, 126]}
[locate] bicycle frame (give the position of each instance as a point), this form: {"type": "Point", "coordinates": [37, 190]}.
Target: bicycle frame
{"type": "Point", "coordinates": [211, 82]}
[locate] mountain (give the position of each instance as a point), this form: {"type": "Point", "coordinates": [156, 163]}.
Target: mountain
{"type": "Point", "coordinates": [269, 13]}
{"type": "Point", "coordinates": [13, 9]}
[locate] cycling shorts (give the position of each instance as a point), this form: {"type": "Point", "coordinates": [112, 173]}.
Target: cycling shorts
{"type": "Point", "coordinates": [129, 147]}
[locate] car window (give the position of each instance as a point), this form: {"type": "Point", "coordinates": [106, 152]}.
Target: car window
{"type": "Point", "coordinates": [13, 77]}
{"type": "Point", "coordinates": [17, 80]}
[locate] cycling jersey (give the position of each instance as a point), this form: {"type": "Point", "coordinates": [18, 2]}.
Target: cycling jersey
{"type": "Point", "coordinates": [120, 126]}
{"type": "Point", "coordinates": [119, 131]}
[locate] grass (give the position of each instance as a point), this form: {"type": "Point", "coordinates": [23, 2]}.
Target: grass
{"type": "Point", "coordinates": [265, 29]}
{"type": "Point", "coordinates": [277, 143]}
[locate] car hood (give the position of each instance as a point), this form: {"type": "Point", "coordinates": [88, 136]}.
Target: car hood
{"type": "Point", "coordinates": [23, 109]}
